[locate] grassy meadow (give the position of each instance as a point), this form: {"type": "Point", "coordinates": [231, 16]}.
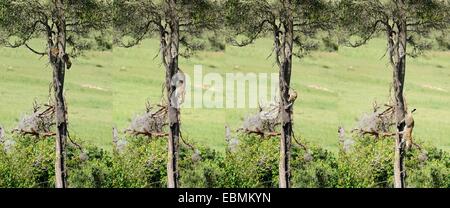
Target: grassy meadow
{"type": "Point", "coordinates": [105, 89]}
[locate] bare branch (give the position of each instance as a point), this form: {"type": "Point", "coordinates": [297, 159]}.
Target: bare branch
{"type": "Point", "coordinates": [369, 36]}
{"type": "Point", "coordinates": [35, 51]}
{"type": "Point", "coordinates": [252, 38]}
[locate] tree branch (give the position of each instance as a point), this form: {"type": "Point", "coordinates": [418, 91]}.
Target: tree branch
{"type": "Point", "coordinates": [35, 51]}
{"type": "Point", "coordinates": [372, 31]}
{"type": "Point", "coordinates": [252, 38]}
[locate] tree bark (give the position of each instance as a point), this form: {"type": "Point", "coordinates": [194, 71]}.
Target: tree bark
{"type": "Point", "coordinates": [400, 110]}
{"type": "Point", "coordinates": [58, 63]}
{"type": "Point", "coordinates": [400, 105]}
{"type": "Point", "coordinates": [170, 56]}
{"type": "Point", "coordinates": [285, 55]}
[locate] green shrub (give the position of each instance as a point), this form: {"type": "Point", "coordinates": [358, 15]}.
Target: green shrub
{"type": "Point", "coordinates": [428, 168]}
{"type": "Point", "coordinates": [90, 168]}
{"type": "Point", "coordinates": [443, 41]}
{"type": "Point", "coordinates": [313, 168]}
{"type": "Point", "coordinates": [202, 169]}
{"type": "Point", "coordinates": [370, 164]}
{"type": "Point", "coordinates": [30, 163]}
{"type": "Point", "coordinates": [142, 164]}
{"type": "Point", "coordinates": [254, 163]}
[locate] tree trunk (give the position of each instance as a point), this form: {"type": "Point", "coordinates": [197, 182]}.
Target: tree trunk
{"type": "Point", "coordinates": [400, 108]}
{"type": "Point", "coordinates": [171, 59]}
{"type": "Point", "coordinates": [61, 124]}
{"type": "Point", "coordinates": [400, 105]}
{"type": "Point", "coordinates": [58, 64]}
{"type": "Point", "coordinates": [286, 106]}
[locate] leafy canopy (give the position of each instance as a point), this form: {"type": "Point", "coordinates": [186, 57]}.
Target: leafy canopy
{"type": "Point", "coordinates": [22, 20]}
{"type": "Point", "coordinates": [135, 20]}
{"type": "Point", "coordinates": [363, 19]}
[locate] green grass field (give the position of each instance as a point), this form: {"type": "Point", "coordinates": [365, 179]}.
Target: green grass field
{"type": "Point", "coordinates": [105, 89]}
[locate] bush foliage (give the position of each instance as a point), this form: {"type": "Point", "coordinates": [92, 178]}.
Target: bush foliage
{"type": "Point", "coordinates": [254, 163]}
